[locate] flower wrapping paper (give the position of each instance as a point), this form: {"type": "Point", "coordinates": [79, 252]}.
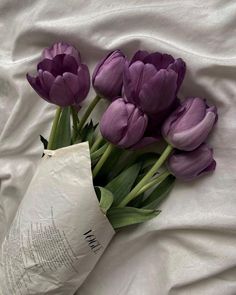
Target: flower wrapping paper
{"type": "Point", "coordinates": [59, 231]}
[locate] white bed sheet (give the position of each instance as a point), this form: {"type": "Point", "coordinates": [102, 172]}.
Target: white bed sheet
{"type": "Point", "coordinates": [190, 249]}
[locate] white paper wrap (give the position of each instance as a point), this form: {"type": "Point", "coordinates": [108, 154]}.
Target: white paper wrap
{"type": "Point", "coordinates": [59, 231]}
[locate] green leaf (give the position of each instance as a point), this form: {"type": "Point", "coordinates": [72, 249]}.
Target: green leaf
{"type": "Point", "coordinates": [88, 133]}
{"type": "Point", "coordinates": [122, 184]}
{"type": "Point", "coordinates": [63, 132]}
{"type": "Point", "coordinates": [137, 202]}
{"type": "Point", "coordinates": [120, 217]}
{"type": "Point", "coordinates": [159, 193]}
{"type": "Point", "coordinates": [127, 159]}
{"type": "Point", "coordinates": [105, 197]}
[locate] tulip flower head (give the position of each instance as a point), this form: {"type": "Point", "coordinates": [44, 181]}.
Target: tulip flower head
{"type": "Point", "coordinates": [61, 77]}
{"type": "Point", "coordinates": [151, 81]}
{"type": "Point", "coordinates": [108, 75]}
{"type": "Point", "coordinates": [189, 165]}
{"type": "Point", "coordinates": [189, 125]}
{"type": "Point", "coordinates": [123, 124]}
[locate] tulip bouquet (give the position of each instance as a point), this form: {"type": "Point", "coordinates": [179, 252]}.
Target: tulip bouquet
{"type": "Point", "coordinates": [146, 138]}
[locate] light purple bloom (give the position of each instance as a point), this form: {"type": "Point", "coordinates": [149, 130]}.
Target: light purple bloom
{"type": "Point", "coordinates": [151, 81]}
{"type": "Point", "coordinates": [123, 124]}
{"type": "Point", "coordinates": [61, 48]}
{"type": "Point", "coordinates": [61, 77]}
{"type": "Point", "coordinates": [189, 165]}
{"type": "Point", "coordinates": [108, 75]}
{"type": "Point", "coordinates": [189, 125]}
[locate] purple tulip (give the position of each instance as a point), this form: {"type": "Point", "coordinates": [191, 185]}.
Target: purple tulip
{"type": "Point", "coordinates": [189, 125]}
{"type": "Point", "coordinates": [189, 165]}
{"type": "Point", "coordinates": [123, 124]}
{"type": "Point", "coordinates": [151, 81]}
{"type": "Point", "coordinates": [61, 77]}
{"type": "Point", "coordinates": [108, 75]}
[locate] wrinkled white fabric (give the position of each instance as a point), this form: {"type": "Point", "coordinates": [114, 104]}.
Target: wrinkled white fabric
{"type": "Point", "coordinates": [189, 249]}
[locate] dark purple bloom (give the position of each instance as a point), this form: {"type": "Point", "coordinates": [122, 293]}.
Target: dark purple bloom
{"type": "Point", "coordinates": [189, 125]}
{"type": "Point", "coordinates": [123, 124]}
{"type": "Point", "coordinates": [189, 165]}
{"type": "Point", "coordinates": [61, 77]}
{"type": "Point", "coordinates": [151, 81]}
{"type": "Point", "coordinates": [108, 75]}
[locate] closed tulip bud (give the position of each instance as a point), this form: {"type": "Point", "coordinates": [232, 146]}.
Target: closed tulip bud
{"type": "Point", "coordinates": [189, 125]}
{"type": "Point", "coordinates": [123, 124]}
{"type": "Point", "coordinates": [108, 75]}
{"type": "Point", "coordinates": [61, 77]}
{"type": "Point", "coordinates": [189, 165]}
{"type": "Point", "coordinates": [151, 81]}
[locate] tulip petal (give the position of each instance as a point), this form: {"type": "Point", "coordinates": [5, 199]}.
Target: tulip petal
{"type": "Point", "coordinates": [169, 122]}
{"type": "Point", "coordinates": [139, 55]}
{"type": "Point", "coordinates": [69, 64]}
{"type": "Point", "coordinates": [59, 64]}
{"type": "Point", "coordinates": [179, 67]}
{"type": "Point", "coordinates": [61, 48]}
{"type": "Point", "coordinates": [135, 77]}
{"type": "Point", "coordinates": [159, 60]}
{"type": "Point", "coordinates": [189, 165]}
{"type": "Point", "coordinates": [114, 121]}
{"type": "Point", "coordinates": [46, 65]}
{"type": "Point", "coordinates": [108, 79]}
{"type": "Point", "coordinates": [53, 66]}
{"type": "Point", "coordinates": [98, 65]}
{"type": "Point", "coordinates": [47, 53]}
{"type": "Point", "coordinates": [71, 50]}
{"type": "Point", "coordinates": [209, 168]}
{"type": "Point", "coordinates": [84, 82]}
{"type": "Point", "coordinates": [46, 79]}
{"type": "Point", "coordinates": [159, 93]}
{"type": "Point", "coordinates": [37, 86]}
{"type": "Point", "coordinates": [195, 111]}
{"type": "Point", "coordinates": [190, 139]}
{"type": "Point", "coordinates": [137, 125]}
{"type": "Point", "coordinates": [60, 94]}
{"type": "Point", "coordinates": [72, 81]}
{"type": "Point", "coordinates": [108, 57]}
{"type": "Point", "coordinates": [149, 71]}
{"type": "Point", "coordinates": [127, 84]}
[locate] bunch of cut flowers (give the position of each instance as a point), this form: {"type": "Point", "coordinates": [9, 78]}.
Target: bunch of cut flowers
{"type": "Point", "coordinates": [96, 178]}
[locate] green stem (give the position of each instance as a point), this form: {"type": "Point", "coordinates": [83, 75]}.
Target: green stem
{"type": "Point", "coordinates": [102, 160]}
{"type": "Point", "coordinates": [96, 144]}
{"type": "Point", "coordinates": [75, 123]}
{"type": "Point", "coordinates": [98, 152]}
{"type": "Point", "coordinates": [88, 112]}
{"type": "Point", "coordinates": [54, 128]}
{"type": "Point", "coordinates": [153, 182]}
{"type": "Point", "coordinates": [147, 177]}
